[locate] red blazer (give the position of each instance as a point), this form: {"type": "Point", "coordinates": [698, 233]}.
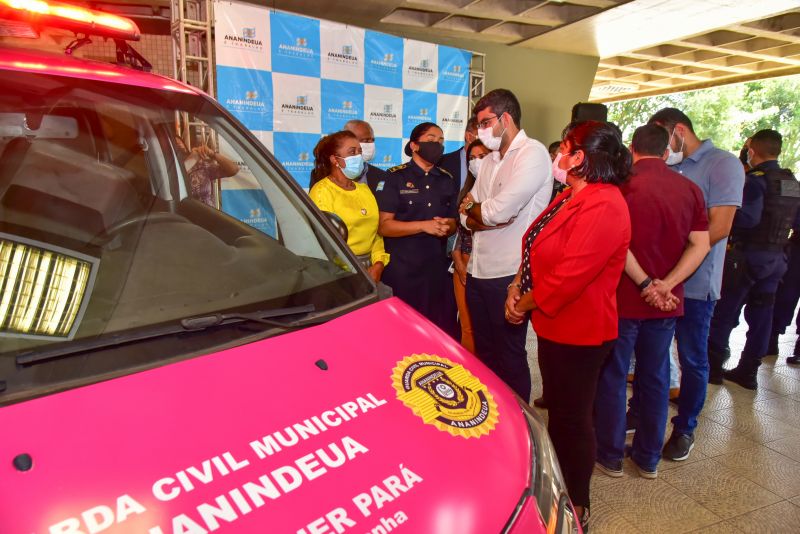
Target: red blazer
{"type": "Point", "coordinates": [576, 264]}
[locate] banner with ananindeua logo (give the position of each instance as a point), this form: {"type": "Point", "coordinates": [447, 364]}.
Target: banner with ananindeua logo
{"type": "Point", "coordinates": [292, 79]}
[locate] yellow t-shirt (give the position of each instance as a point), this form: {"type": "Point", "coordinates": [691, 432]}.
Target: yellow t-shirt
{"type": "Point", "coordinates": [359, 211]}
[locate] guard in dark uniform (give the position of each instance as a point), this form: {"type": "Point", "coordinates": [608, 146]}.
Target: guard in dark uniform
{"type": "Point", "coordinates": [756, 260]}
{"type": "Point", "coordinates": [418, 205]}
{"type": "Point", "coordinates": [787, 298]}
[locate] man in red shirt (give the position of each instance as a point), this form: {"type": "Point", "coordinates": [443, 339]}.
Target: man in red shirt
{"type": "Point", "coordinates": [669, 241]}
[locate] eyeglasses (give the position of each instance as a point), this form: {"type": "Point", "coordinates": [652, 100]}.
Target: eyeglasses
{"type": "Point", "coordinates": [485, 122]}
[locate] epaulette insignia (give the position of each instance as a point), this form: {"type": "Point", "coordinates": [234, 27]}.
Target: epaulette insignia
{"type": "Point", "coordinates": [398, 167]}
{"type": "Point", "coordinates": [757, 173]}
{"type": "Point", "coordinates": [445, 171]}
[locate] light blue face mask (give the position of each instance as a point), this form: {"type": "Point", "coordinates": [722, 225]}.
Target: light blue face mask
{"type": "Point", "coordinates": [353, 166]}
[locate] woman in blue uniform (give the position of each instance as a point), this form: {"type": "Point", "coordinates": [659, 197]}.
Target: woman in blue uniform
{"type": "Point", "coordinates": [418, 208]}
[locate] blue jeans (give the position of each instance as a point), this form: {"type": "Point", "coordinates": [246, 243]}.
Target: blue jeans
{"type": "Point", "coordinates": [692, 334]}
{"type": "Point", "coordinates": [651, 340]}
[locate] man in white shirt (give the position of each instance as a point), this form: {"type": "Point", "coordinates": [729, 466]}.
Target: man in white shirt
{"type": "Point", "coordinates": [512, 188]}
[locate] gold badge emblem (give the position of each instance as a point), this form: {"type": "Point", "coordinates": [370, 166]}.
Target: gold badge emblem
{"type": "Point", "coordinates": [445, 395]}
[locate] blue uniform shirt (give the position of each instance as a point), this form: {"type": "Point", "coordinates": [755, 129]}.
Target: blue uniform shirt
{"type": "Point", "coordinates": [720, 176]}
{"type": "Point", "coordinates": [755, 187]}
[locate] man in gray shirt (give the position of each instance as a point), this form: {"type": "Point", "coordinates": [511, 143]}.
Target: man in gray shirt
{"type": "Point", "coordinates": [720, 176]}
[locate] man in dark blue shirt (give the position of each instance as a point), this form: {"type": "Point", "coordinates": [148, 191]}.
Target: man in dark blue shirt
{"type": "Point", "coordinates": [756, 260]}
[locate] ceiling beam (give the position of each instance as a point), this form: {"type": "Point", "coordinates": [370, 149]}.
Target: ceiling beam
{"type": "Point", "coordinates": [787, 71]}
{"type": "Point", "coordinates": [734, 52]}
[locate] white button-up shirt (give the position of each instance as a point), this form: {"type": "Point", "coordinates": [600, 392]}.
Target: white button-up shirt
{"type": "Point", "coordinates": [516, 187]}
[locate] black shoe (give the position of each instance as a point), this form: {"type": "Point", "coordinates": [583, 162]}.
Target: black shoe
{"type": "Point", "coordinates": [772, 348]}
{"type": "Point", "coordinates": [744, 375]}
{"type": "Point", "coordinates": [539, 403]}
{"type": "Point", "coordinates": [716, 360]}
{"type": "Point", "coordinates": [678, 447]}
{"type": "Point", "coordinates": [630, 424]}
{"type": "Point", "coordinates": [793, 360]}
{"type": "Point", "coordinates": [612, 469]}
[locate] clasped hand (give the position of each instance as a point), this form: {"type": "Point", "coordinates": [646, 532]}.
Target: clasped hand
{"type": "Point", "coordinates": [659, 296]}
{"type": "Point", "coordinates": [513, 315]}
{"type": "Point", "coordinates": [437, 226]}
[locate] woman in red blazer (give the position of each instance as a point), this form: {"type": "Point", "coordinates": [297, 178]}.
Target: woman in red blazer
{"type": "Point", "coordinates": [573, 256]}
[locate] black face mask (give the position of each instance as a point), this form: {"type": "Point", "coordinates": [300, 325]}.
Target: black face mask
{"type": "Point", "coordinates": [431, 151]}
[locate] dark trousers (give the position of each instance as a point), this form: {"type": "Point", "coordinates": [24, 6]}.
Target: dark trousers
{"type": "Point", "coordinates": [572, 373]}
{"type": "Point", "coordinates": [757, 290]}
{"type": "Point", "coordinates": [788, 294]}
{"type": "Point", "coordinates": [498, 343]}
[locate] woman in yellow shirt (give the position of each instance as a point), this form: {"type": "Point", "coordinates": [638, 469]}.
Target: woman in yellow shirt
{"type": "Point", "coordinates": [338, 165]}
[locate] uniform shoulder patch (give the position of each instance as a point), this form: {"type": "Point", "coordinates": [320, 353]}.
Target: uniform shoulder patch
{"type": "Point", "coordinates": [398, 167]}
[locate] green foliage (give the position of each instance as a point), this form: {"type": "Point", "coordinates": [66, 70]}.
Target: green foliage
{"type": "Point", "coordinates": [727, 115]}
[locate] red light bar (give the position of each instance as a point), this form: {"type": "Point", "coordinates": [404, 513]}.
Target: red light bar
{"type": "Point", "coordinates": [70, 17]}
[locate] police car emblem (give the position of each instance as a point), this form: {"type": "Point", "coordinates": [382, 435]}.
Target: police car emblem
{"type": "Point", "coordinates": [444, 394]}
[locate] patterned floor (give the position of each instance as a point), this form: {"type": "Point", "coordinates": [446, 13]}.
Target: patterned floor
{"type": "Point", "coordinates": [743, 474]}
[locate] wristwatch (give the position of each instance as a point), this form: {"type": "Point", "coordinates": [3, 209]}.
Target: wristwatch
{"type": "Point", "coordinates": [645, 283]}
{"type": "Point", "coordinates": [469, 205]}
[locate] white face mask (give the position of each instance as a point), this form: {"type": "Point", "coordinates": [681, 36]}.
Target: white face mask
{"type": "Point", "coordinates": [475, 166]}
{"type": "Point", "coordinates": [673, 157]}
{"type": "Point", "coordinates": [489, 140]}
{"type": "Point", "coordinates": [559, 174]}
{"type": "Point", "coordinates": [368, 151]}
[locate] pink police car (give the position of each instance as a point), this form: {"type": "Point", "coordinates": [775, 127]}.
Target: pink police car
{"type": "Point", "coordinates": [174, 364]}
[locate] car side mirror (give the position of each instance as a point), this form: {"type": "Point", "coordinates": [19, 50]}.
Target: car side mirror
{"type": "Point", "coordinates": [337, 223]}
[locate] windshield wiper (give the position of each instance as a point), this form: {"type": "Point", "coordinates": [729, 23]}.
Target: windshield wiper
{"type": "Point", "coordinates": [189, 324]}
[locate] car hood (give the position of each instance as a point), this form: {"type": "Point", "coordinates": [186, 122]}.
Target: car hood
{"type": "Point", "coordinates": [374, 418]}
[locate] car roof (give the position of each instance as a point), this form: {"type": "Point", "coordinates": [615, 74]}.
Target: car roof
{"type": "Point", "coordinates": [37, 61]}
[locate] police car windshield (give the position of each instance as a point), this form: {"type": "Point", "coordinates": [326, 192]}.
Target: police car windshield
{"type": "Point", "coordinates": [109, 222]}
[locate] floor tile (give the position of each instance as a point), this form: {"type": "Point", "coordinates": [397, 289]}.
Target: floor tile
{"type": "Point", "coordinates": [722, 527]}
{"type": "Point", "coordinates": [778, 383]}
{"type": "Point", "coordinates": [753, 424]}
{"type": "Point", "coordinates": [718, 488]}
{"type": "Point", "coordinates": [784, 409]}
{"type": "Point", "coordinates": [717, 398]}
{"type": "Point", "coordinates": [741, 395]}
{"type": "Point", "coordinates": [780, 517]}
{"type": "Point", "coordinates": [655, 506]}
{"type": "Point", "coordinates": [787, 446]}
{"type": "Point", "coordinates": [606, 520]}
{"type": "Point", "coordinates": [767, 468]}
{"type": "Point", "coordinates": [792, 371]}
{"type": "Point", "coordinates": [713, 439]}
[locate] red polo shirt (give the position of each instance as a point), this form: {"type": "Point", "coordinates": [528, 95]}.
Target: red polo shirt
{"type": "Point", "coordinates": [664, 206]}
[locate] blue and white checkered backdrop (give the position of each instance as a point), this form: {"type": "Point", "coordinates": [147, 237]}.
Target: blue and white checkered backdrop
{"type": "Point", "coordinates": [291, 79]}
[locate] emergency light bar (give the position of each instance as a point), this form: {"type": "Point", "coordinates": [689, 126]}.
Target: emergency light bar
{"type": "Point", "coordinates": [70, 17]}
